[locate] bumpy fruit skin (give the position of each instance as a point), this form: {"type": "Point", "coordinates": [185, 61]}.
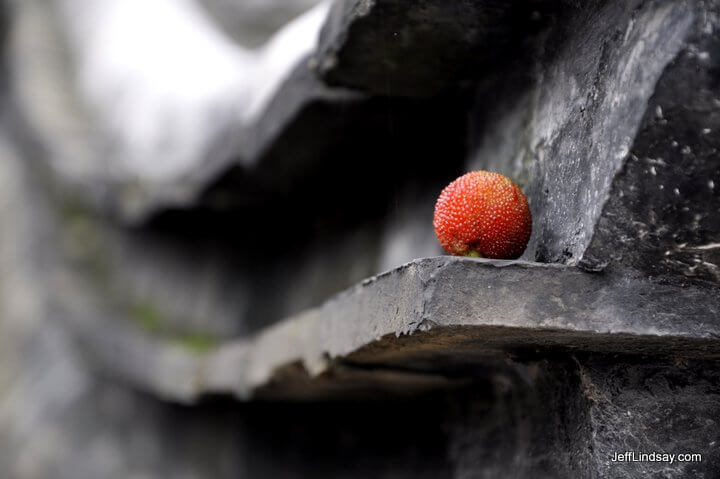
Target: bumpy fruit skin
{"type": "Point", "coordinates": [483, 214]}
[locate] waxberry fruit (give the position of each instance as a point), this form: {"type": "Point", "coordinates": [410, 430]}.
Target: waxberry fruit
{"type": "Point", "coordinates": [483, 214]}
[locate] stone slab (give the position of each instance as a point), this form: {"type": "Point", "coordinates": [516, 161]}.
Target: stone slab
{"type": "Point", "coordinates": [429, 321]}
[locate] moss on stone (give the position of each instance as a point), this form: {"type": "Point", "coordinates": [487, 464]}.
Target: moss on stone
{"type": "Point", "coordinates": [198, 343]}
{"type": "Point", "coordinates": [148, 317]}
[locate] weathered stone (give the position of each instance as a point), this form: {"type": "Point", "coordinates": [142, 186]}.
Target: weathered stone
{"type": "Point", "coordinates": [443, 367]}
{"type": "Point", "coordinates": [530, 424]}
{"type": "Point", "coordinates": [434, 316]}
{"type": "Point", "coordinates": [645, 407]}
{"type": "Point", "coordinates": [569, 418]}
{"type": "Point", "coordinates": [170, 136]}
{"type": "Point", "coordinates": [218, 286]}
{"type": "Point", "coordinates": [611, 132]}
{"type": "Point", "coordinates": [420, 49]}
{"type": "Point", "coordinates": [568, 119]}
{"type": "Point", "coordinates": [662, 218]}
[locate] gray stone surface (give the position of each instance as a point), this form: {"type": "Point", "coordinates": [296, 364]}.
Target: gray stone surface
{"type": "Point", "coordinates": [604, 126]}
{"type": "Point", "coordinates": [220, 287]}
{"type": "Point", "coordinates": [102, 149]}
{"type": "Point", "coordinates": [214, 338]}
{"type": "Point", "coordinates": [512, 432]}
{"type": "Point", "coordinates": [569, 418]}
{"type": "Point", "coordinates": [662, 218]}
{"type": "Point", "coordinates": [575, 112]}
{"type": "Point", "coordinates": [419, 49]}
{"type": "Point", "coordinates": [650, 407]}
{"type": "Point", "coordinates": [437, 316]}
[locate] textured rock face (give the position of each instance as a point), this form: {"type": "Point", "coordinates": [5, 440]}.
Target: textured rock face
{"type": "Point", "coordinates": [427, 47]}
{"type": "Point", "coordinates": [601, 409]}
{"type": "Point", "coordinates": [493, 440]}
{"type": "Point", "coordinates": [269, 279]}
{"type": "Point", "coordinates": [576, 112]}
{"type": "Point", "coordinates": [650, 407]}
{"type": "Point", "coordinates": [663, 215]}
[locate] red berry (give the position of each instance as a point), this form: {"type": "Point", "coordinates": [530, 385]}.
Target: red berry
{"type": "Point", "coordinates": [483, 214]}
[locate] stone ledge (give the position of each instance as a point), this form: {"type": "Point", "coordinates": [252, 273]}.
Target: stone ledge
{"type": "Point", "coordinates": [420, 326]}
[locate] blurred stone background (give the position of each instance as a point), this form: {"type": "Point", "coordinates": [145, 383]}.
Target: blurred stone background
{"type": "Point", "coordinates": [217, 256]}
